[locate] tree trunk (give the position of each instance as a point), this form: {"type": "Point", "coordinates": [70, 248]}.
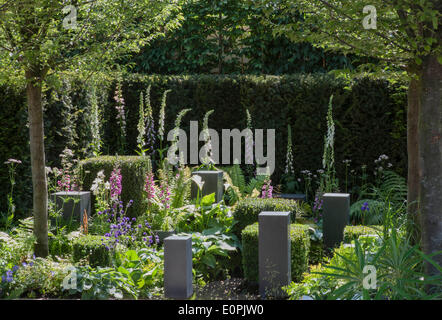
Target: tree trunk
{"type": "Point", "coordinates": [39, 183]}
{"type": "Point", "coordinates": [414, 91]}
{"type": "Point", "coordinates": [430, 158]}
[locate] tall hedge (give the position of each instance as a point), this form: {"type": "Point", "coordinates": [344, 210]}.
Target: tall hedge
{"type": "Point", "coordinates": [370, 117]}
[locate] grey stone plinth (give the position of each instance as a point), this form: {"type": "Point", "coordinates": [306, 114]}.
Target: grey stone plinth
{"type": "Point", "coordinates": [178, 267]}
{"type": "Point", "coordinates": [274, 253]}
{"type": "Point", "coordinates": [336, 215]}
{"type": "Point", "coordinates": [213, 183]}
{"type": "Point", "coordinates": [73, 204]}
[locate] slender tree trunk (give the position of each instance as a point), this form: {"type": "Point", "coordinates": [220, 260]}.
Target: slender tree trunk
{"type": "Point", "coordinates": [430, 158]}
{"type": "Point", "coordinates": [414, 92]}
{"type": "Point", "coordinates": [39, 183]}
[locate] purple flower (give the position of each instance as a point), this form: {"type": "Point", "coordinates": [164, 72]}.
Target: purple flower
{"type": "Point", "coordinates": [365, 207]}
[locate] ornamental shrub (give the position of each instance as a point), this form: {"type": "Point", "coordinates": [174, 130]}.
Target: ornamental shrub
{"type": "Point", "coordinates": [300, 246]}
{"type": "Point", "coordinates": [247, 210]}
{"type": "Point", "coordinates": [133, 171]}
{"type": "Point", "coordinates": [91, 247]}
{"type": "Point", "coordinates": [353, 232]}
{"type": "Point", "coordinates": [59, 246]}
{"type": "Point", "coordinates": [316, 252]}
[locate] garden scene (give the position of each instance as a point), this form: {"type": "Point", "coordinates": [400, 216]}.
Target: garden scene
{"type": "Point", "coordinates": [221, 150]}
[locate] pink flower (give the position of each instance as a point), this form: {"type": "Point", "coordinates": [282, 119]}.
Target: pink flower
{"type": "Point", "coordinates": [115, 183]}
{"type": "Point", "coordinates": [149, 186]}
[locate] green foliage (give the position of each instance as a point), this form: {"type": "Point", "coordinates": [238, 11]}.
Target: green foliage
{"type": "Point", "coordinates": [246, 211]}
{"type": "Point", "coordinates": [91, 248]}
{"type": "Point", "coordinates": [136, 274]}
{"type": "Point", "coordinates": [229, 37]}
{"type": "Point", "coordinates": [352, 233]}
{"type": "Point", "coordinates": [211, 251]}
{"type": "Point", "coordinates": [386, 198]}
{"type": "Point", "coordinates": [399, 272]}
{"type": "Point", "coordinates": [339, 26]}
{"type": "Point", "coordinates": [133, 171]}
{"type": "Point", "coordinates": [238, 188]}
{"type": "Point", "coordinates": [316, 252]}
{"type": "Point", "coordinates": [205, 215]}
{"type": "Point", "coordinates": [102, 284]}
{"type": "Point", "coordinates": [36, 278]}
{"type": "Point", "coordinates": [59, 245]}
{"type": "Point", "coordinates": [181, 187]}
{"type": "Point", "coordinates": [300, 246]}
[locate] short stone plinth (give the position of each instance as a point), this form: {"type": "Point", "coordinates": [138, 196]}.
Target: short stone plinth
{"type": "Point", "coordinates": [336, 215]}
{"type": "Point", "coordinates": [72, 204]}
{"type": "Point", "coordinates": [178, 267]}
{"type": "Point", "coordinates": [213, 183]}
{"type": "Point", "coordinates": [274, 253]}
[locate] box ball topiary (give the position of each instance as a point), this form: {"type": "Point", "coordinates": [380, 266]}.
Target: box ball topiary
{"type": "Point", "coordinates": [300, 247]}
{"type": "Point", "coordinates": [59, 246]}
{"type": "Point", "coordinates": [247, 210]}
{"type": "Point", "coordinates": [353, 232]}
{"type": "Point", "coordinates": [91, 247]}
{"type": "Point", "coordinates": [133, 172]}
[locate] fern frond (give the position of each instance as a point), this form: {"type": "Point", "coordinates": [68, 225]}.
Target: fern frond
{"type": "Point", "coordinates": [237, 177]}
{"type": "Point", "coordinates": [255, 183]}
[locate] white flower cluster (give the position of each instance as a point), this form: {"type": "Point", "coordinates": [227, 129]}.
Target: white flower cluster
{"type": "Point", "coordinates": [289, 158]}
{"type": "Point", "coordinates": [99, 183]}
{"type": "Point", "coordinates": [381, 162]}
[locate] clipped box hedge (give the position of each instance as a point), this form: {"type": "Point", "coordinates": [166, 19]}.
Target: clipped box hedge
{"type": "Point", "coordinates": [133, 171]}
{"type": "Point", "coordinates": [300, 246]}
{"type": "Point", "coordinates": [247, 210]}
{"type": "Point", "coordinates": [353, 232]}
{"type": "Point", "coordinates": [91, 247]}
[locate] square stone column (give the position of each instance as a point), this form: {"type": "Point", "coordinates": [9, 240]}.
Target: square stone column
{"type": "Point", "coordinates": [73, 204]}
{"type": "Point", "coordinates": [336, 215]}
{"type": "Point", "coordinates": [213, 183]}
{"type": "Point", "coordinates": [274, 253]}
{"type": "Point", "coordinates": [178, 267]}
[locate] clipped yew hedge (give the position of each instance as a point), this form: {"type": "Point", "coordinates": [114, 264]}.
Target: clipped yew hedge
{"type": "Point", "coordinates": [370, 116]}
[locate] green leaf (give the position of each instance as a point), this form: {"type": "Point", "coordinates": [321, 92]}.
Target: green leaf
{"type": "Point", "coordinates": [209, 260]}
{"type": "Point", "coordinates": [132, 255]}
{"type": "Point", "coordinates": [208, 200]}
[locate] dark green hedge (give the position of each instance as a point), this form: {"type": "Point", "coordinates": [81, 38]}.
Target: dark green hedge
{"type": "Point", "coordinates": [133, 172]}
{"type": "Point", "coordinates": [91, 247]}
{"type": "Point", "coordinates": [354, 232]}
{"type": "Point", "coordinates": [247, 210]}
{"type": "Point", "coordinates": [300, 246]}
{"type": "Point", "coordinates": [370, 117]}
